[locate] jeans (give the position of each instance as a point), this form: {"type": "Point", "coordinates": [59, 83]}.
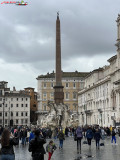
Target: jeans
{"type": "Point", "coordinates": [89, 141]}
{"type": "Point", "coordinates": [79, 144]}
{"type": "Point", "coordinates": [7, 157]}
{"type": "Point", "coordinates": [60, 143]}
{"type": "Point", "coordinates": [113, 138]}
{"type": "Point", "coordinates": [97, 143]}
{"type": "Point", "coordinates": [23, 140]}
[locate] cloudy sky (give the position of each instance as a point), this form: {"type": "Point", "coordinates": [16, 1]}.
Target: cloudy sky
{"type": "Point", "coordinates": [27, 37]}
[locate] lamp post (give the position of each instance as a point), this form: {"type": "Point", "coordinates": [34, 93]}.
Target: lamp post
{"type": "Point", "coordinates": [3, 110]}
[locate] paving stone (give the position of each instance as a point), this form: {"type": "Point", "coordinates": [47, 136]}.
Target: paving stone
{"type": "Point", "coordinates": [69, 151]}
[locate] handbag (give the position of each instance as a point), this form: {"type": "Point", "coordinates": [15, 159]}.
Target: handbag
{"type": "Point", "coordinates": [85, 142]}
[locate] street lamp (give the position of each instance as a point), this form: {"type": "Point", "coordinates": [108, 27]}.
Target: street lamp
{"type": "Point", "coordinates": [3, 110]}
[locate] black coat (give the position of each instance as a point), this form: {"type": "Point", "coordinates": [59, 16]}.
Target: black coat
{"type": "Point", "coordinates": [97, 136]}
{"type": "Point", "coordinates": [36, 146]}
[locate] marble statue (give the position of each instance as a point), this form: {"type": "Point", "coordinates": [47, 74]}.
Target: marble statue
{"type": "Point", "coordinates": [59, 115]}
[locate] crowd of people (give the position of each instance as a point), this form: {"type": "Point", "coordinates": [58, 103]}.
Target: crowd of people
{"type": "Point", "coordinates": [36, 138]}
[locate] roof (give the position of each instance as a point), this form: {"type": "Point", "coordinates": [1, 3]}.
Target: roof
{"type": "Point", "coordinates": [112, 58]}
{"type": "Point", "coordinates": [65, 75]}
{"type": "Point", "coordinates": [3, 82]}
{"type": "Point", "coordinates": [16, 94]}
{"type": "Point", "coordinates": [29, 88]}
{"type": "Point", "coordinates": [96, 70]}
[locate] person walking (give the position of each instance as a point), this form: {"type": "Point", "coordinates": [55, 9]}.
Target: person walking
{"type": "Point", "coordinates": [36, 147]}
{"type": "Point", "coordinates": [7, 142]}
{"type": "Point", "coordinates": [50, 148]}
{"type": "Point", "coordinates": [61, 138]}
{"type": "Point", "coordinates": [113, 136]}
{"type": "Point", "coordinates": [97, 137]}
{"type": "Point", "coordinates": [89, 136]}
{"type": "Point", "coordinates": [17, 135]}
{"type": "Point", "coordinates": [79, 136]}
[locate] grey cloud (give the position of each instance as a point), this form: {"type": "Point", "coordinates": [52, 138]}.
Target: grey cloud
{"type": "Point", "coordinates": [87, 28]}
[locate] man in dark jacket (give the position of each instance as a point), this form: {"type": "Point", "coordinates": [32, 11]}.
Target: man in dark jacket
{"type": "Point", "coordinates": [23, 136]}
{"type": "Point", "coordinates": [97, 137]}
{"type": "Point", "coordinates": [36, 147]}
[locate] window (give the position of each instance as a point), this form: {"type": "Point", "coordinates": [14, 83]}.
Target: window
{"type": "Point", "coordinates": [11, 105]}
{"type": "Point", "coordinates": [74, 85]}
{"type": "Point", "coordinates": [0, 92]}
{"type": "Point", "coordinates": [0, 105]}
{"type": "Point", "coordinates": [16, 121]}
{"type": "Point", "coordinates": [34, 105]}
{"type": "Point", "coordinates": [5, 105]}
{"type": "Point", "coordinates": [26, 99]}
{"type": "Point", "coordinates": [74, 95]}
{"type": "Point", "coordinates": [67, 95]}
{"type": "Point", "coordinates": [5, 114]}
{"type": "Point", "coordinates": [21, 113]}
{"type": "Point", "coordinates": [6, 121]}
{"type": "Point", "coordinates": [22, 99]}
{"type": "Point", "coordinates": [44, 96]}
{"type": "Point", "coordinates": [21, 121]}
{"type": "Point", "coordinates": [17, 114]}
{"type": "Point", "coordinates": [0, 121]}
{"type": "Point", "coordinates": [21, 105]}
{"type": "Point", "coordinates": [51, 96]}
{"type": "Point", "coordinates": [67, 85]}
{"type": "Point", "coordinates": [11, 114]}
{"type": "Point", "coordinates": [26, 114]}
{"type": "Point", "coordinates": [0, 113]}
{"type": "Point", "coordinates": [17, 99]}
{"type": "Point", "coordinates": [26, 121]}
{"type": "Point", "coordinates": [44, 85]}
{"type": "Point", "coordinates": [51, 85]}
{"type": "Point", "coordinates": [0, 99]}
{"type": "Point", "coordinates": [26, 105]}
{"type": "Point", "coordinates": [16, 105]}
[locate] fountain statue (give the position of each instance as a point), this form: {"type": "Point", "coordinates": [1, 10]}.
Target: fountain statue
{"type": "Point", "coordinates": [59, 116]}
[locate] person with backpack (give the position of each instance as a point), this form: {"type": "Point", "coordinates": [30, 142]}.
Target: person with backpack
{"type": "Point", "coordinates": [89, 136]}
{"type": "Point", "coordinates": [79, 136]}
{"type": "Point", "coordinates": [50, 148]}
{"type": "Point", "coordinates": [36, 147]}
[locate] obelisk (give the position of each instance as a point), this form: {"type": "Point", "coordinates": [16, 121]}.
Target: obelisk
{"type": "Point", "coordinates": [58, 88]}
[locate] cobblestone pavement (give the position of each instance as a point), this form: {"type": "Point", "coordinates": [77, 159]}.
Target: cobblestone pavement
{"type": "Point", "coordinates": [69, 152]}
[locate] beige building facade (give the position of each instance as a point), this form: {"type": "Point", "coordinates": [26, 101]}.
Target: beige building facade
{"type": "Point", "coordinates": [72, 82]}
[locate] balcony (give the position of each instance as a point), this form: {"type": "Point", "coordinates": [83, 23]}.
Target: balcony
{"type": "Point", "coordinates": [88, 111]}
{"type": "Point", "coordinates": [41, 112]}
{"type": "Point", "coordinates": [100, 110]}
